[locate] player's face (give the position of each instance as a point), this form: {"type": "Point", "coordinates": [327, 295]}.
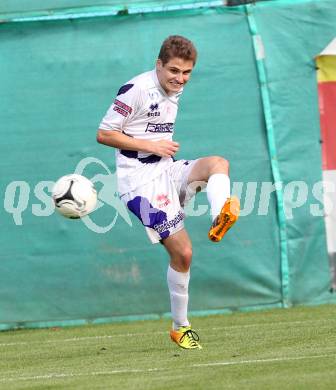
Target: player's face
{"type": "Point", "coordinates": [174, 74]}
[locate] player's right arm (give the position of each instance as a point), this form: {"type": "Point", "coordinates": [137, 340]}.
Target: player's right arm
{"type": "Point", "coordinates": [116, 139]}
{"type": "Point", "coordinates": [130, 98]}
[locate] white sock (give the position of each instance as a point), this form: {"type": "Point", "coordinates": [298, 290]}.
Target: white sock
{"type": "Point", "coordinates": [218, 190]}
{"type": "Point", "coordinates": [178, 290]}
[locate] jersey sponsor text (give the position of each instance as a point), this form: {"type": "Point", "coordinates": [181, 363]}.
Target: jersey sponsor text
{"type": "Point", "coordinates": [160, 127]}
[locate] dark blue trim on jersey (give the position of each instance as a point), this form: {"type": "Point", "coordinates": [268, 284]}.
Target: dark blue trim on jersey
{"type": "Point", "coordinates": [129, 153]}
{"type": "Point", "coordinates": [124, 89]}
{"type": "Point", "coordinates": [151, 159]}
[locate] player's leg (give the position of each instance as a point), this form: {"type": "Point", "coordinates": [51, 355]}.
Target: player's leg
{"type": "Point", "coordinates": [224, 209]}
{"type": "Point", "coordinates": [157, 206]}
{"type": "Point", "coordinates": [179, 248]}
{"type": "Point", "coordinates": [215, 171]}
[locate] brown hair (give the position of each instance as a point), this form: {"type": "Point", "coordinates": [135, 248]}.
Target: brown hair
{"type": "Point", "coordinates": [177, 46]}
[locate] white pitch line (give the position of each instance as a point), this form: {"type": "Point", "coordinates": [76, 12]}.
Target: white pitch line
{"type": "Point", "coordinates": [148, 370]}
{"type": "Point", "coordinates": [11, 344]}
{"type": "Point", "coordinates": [71, 375]}
{"type": "Point", "coordinates": [229, 327]}
{"type": "Point", "coordinates": [111, 336]}
{"type": "Point", "coordinates": [82, 338]}
{"type": "Point", "coordinates": [270, 360]}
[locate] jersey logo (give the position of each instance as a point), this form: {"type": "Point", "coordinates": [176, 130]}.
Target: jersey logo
{"type": "Point", "coordinates": [160, 127]}
{"type": "Point", "coordinates": [122, 108]}
{"type": "Point", "coordinates": [162, 201]}
{"type": "Point", "coordinates": [124, 89]}
{"type": "Point", "coordinates": [154, 107]}
{"type": "Point", "coordinates": [153, 110]}
{"type": "Point", "coordinates": [154, 95]}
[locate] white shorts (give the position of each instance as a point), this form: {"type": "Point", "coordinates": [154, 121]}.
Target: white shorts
{"type": "Point", "coordinates": [159, 203]}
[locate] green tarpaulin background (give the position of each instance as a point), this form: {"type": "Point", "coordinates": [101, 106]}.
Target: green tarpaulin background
{"type": "Point", "coordinates": [57, 80]}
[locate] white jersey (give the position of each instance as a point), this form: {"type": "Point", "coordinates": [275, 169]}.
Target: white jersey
{"type": "Point", "coordinates": [142, 109]}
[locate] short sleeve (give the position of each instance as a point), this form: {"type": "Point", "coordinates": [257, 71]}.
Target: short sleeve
{"type": "Point", "coordinates": [123, 108]}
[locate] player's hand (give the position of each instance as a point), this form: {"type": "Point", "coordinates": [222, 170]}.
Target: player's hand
{"type": "Point", "coordinates": [164, 148]}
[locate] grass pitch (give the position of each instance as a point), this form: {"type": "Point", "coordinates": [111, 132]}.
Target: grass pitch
{"type": "Point", "coordinates": [278, 349]}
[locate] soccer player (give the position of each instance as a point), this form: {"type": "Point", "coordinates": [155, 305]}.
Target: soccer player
{"type": "Point", "coordinates": [155, 186]}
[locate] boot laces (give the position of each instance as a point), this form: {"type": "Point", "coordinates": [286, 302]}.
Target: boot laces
{"type": "Point", "coordinates": [191, 335]}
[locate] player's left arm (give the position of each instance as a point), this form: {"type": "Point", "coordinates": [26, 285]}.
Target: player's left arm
{"type": "Point", "coordinates": [116, 139]}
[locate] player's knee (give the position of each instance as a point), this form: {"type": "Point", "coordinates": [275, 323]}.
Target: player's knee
{"type": "Point", "coordinates": [185, 258]}
{"type": "Point", "coordinates": [219, 165]}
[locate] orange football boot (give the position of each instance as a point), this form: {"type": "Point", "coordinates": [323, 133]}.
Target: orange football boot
{"type": "Point", "coordinates": [185, 338]}
{"type": "Point", "coordinates": [226, 218]}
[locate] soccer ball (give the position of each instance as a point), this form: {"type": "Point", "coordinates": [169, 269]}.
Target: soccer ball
{"type": "Point", "coordinates": [74, 196]}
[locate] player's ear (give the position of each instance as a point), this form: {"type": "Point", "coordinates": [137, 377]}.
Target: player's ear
{"type": "Point", "coordinates": [159, 64]}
